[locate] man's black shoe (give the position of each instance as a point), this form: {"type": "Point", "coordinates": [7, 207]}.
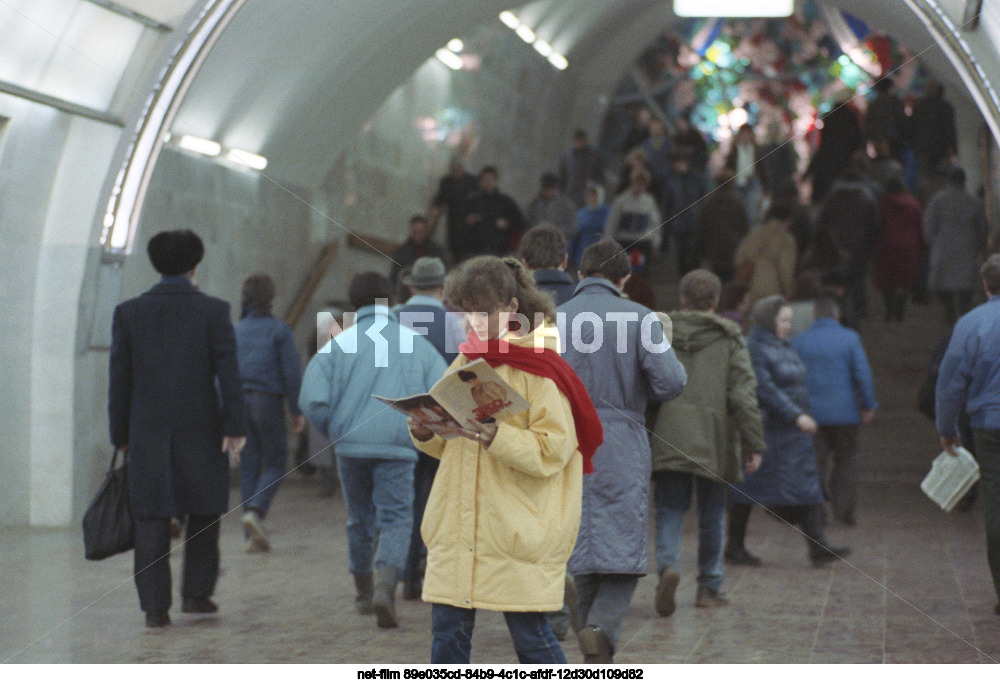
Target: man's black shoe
{"type": "Point", "coordinates": [828, 555]}
{"type": "Point", "coordinates": [741, 556]}
{"type": "Point", "coordinates": [199, 606]}
{"type": "Point", "coordinates": [157, 619]}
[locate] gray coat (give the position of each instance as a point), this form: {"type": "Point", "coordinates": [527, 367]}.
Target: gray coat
{"type": "Point", "coordinates": [621, 375]}
{"type": "Point", "coordinates": [956, 229]}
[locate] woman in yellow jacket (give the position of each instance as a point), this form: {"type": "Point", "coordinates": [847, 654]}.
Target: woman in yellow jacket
{"type": "Point", "coordinates": [504, 511]}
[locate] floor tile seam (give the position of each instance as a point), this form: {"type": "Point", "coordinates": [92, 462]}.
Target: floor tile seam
{"type": "Point", "coordinates": [822, 614]}
{"type": "Point", "coordinates": [952, 561]}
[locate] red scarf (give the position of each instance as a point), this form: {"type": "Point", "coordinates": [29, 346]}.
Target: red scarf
{"type": "Point", "coordinates": [546, 363]}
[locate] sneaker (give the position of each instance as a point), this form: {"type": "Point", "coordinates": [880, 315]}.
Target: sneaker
{"type": "Point", "coordinates": [665, 590]}
{"type": "Point", "coordinates": [742, 557]}
{"type": "Point", "coordinates": [255, 529]}
{"type": "Point", "coordinates": [706, 597]}
{"type": "Point", "coordinates": [829, 554]}
{"type": "Point", "coordinates": [595, 646]}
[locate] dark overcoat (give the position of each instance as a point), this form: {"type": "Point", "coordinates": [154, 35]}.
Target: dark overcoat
{"type": "Point", "coordinates": [174, 393]}
{"type": "Point", "coordinates": [788, 473]}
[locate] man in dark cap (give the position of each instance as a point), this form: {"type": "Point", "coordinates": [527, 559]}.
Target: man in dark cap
{"type": "Point", "coordinates": [170, 348]}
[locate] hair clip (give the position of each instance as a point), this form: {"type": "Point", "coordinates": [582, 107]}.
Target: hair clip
{"type": "Point", "coordinates": [512, 262]}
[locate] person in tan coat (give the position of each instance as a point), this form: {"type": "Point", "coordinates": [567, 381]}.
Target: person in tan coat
{"type": "Point", "coordinates": [770, 253]}
{"type": "Point", "coordinates": [504, 511]}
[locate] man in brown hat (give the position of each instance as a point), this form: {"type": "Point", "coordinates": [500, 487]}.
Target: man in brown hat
{"type": "Point", "coordinates": [169, 349]}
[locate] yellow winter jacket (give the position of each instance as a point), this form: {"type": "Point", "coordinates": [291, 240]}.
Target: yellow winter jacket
{"type": "Point", "coordinates": [501, 521]}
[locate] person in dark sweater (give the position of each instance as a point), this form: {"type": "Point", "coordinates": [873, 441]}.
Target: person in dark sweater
{"type": "Point", "coordinates": [453, 190]}
{"type": "Point", "coordinates": [543, 250]}
{"type": "Point", "coordinates": [493, 221]}
{"type": "Point", "coordinates": [417, 245]}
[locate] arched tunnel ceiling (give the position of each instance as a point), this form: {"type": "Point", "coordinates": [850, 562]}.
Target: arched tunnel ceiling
{"type": "Point", "coordinates": [293, 81]}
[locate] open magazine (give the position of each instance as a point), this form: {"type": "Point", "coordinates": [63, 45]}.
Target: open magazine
{"type": "Point", "coordinates": [950, 478]}
{"type": "Point", "coordinates": [468, 397]}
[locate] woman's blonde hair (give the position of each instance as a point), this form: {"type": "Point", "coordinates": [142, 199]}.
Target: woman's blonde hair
{"type": "Point", "coordinates": [488, 283]}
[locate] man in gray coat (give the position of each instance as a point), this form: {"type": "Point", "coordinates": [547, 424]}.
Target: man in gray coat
{"type": "Point", "coordinates": [621, 354]}
{"type": "Point", "coordinates": [956, 229]}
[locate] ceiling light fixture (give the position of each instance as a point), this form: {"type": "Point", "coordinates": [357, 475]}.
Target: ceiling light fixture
{"type": "Point", "coordinates": [254, 161]}
{"type": "Point", "coordinates": [456, 45]}
{"type": "Point", "coordinates": [209, 148]}
{"type": "Point", "coordinates": [558, 61]}
{"type": "Point", "coordinates": [542, 48]}
{"type": "Point", "coordinates": [449, 58]}
{"type": "Point", "coordinates": [510, 20]}
{"type": "Point", "coordinates": [525, 34]}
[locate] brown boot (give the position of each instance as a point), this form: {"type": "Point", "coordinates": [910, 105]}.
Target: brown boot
{"type": "Point", "coordinates": [665, 591]}
{"type": "Point", "coordinates": [595, 646]}
{"type": "Point", "coordinates": [363, 586]}
{"type": "Point", "coordinates": [384, 597]}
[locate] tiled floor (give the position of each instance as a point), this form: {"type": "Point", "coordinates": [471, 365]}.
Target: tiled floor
{"type": "Point", "coordinates": [916, 588]}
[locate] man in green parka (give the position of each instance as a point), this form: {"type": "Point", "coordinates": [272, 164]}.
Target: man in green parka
{"type": "Point", "coordinates": [704, 439]}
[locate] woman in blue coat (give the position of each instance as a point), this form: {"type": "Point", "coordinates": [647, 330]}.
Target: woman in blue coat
{"type": "Point", "coordinates": [787, 483]}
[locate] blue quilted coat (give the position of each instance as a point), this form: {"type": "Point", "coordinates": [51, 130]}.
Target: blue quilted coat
{"type": "Point", "coordinates": [788, 474]}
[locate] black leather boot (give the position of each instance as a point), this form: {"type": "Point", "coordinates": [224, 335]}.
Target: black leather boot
{"type": "Point", "coordinates": [736, 552]}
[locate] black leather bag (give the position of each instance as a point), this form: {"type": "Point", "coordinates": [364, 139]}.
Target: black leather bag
{"type": "Point", "coordinates": [108, 528]}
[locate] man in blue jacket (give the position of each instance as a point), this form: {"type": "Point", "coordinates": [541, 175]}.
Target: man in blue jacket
{"type": "Point", "coordinates": [375, 456]}
{"type": "Point", "coordinates": [839, 378]}
{"type": "Point", "coordinates": [970, 377]}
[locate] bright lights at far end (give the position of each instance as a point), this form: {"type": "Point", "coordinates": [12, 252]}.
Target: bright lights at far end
{"type": "Point", "coordinates": [558, 61]}
{"type": "Point", "coordinates": [734, 8]}
{"type": "Point", "coordinates": [456, 45]}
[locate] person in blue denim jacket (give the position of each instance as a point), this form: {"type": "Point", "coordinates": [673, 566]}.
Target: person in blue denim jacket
{"type": "Point", "coordinates": [271, 374]}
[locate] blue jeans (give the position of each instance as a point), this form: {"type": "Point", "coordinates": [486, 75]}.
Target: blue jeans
{"type": "Point", "coordinates": [451, 628]}
{"type": "Point", "coordinates": [672, 497]}
{"type": "Point", "coordinates": [263, 460]}
{"type": "Point", "coordinates": [379, 497]}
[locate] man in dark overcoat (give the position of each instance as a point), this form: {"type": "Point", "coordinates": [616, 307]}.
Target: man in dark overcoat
{"type": "Point", "coordinates": [176, 407]}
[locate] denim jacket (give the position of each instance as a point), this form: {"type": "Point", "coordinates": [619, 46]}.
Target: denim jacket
{"type": "Point", "coordinates": [269, 363]}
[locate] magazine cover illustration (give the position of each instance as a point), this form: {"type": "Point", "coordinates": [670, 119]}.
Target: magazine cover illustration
{"type": "Point", "coordinates": [469, 396]}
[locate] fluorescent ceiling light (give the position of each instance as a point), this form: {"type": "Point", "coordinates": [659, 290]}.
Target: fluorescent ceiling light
{"type": "Point", "coordinates": [558, 61]}
{"type": "Point", "coordinates": [734, 8]}
{"type": "Point", "coordinates": [254, 161]}
{"type": "Point", "coordinates": [456, 45]}
{"type": "Point", "coordinates": [200, 145]}
{"type": "Point", "coordinates": [525, 34]}
{"type": "Point", "coordinates": [510, 20]}
{"type": "Point", "coordinates": [543, 48]}
{"type": "Point", "coordinates": [449, 58]}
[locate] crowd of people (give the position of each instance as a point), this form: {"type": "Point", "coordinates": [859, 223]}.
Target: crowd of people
{"type": "Point", "coordinates": [751, 394]}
